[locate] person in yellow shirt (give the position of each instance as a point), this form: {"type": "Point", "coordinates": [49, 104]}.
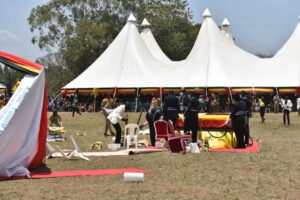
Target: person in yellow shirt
{"type": "Point", "coordinates": [262, 108]}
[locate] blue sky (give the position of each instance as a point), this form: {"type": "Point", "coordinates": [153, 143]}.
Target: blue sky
{"type": "Point", "coordinates": [259, 26]}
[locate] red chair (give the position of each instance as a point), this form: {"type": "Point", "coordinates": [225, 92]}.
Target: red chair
{"type": "Point", "coordinates": [171, 128]}
{"type": "Point", "coordinates": [161, 128]}
{"type": "Point", "coordinates": [186, 136]}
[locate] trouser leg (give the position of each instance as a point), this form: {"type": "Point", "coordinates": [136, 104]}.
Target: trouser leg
{"type": "Point", "coordinates": [284, 117]}
{"type": "Point", "coordinates": [288, 116]}
{"type": "Point", "coordinates": [73, 112]}
{"type": "Point", "coordinates": [239, 133]}
{"type": "Point", "coordinates": [106, 127]}
{"type": "Point", "coordinates": [152, 134]}
{"type": "Point", "coordinates": [247, 134]}
{"type": "Point", "coordinates": [194, 135]}
{"type": "Point", "coordinates": [118, 133]}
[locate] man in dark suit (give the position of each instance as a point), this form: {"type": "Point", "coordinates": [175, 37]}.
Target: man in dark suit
{"type": "Point", "coordinates": [152, 116]}
{"type": "Point", "coordinates": [191, 117]}
{"type": "Point", "coordinates": [248, 104]}
{"type": "Point", "coordinates": [238, 121]}
{"type": "Point", "coordinates": [171, 107]}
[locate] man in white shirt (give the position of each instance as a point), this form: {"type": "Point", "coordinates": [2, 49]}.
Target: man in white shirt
{"type": "Point", "coordinates": [287, 108]}
{"type": "Point", "coordinates": [298, 105]}
{"type": "Point", "coordinates": [117, 115]}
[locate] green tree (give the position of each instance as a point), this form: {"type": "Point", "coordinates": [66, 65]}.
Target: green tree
{"type": "Point", "coordinates": [80, 30]}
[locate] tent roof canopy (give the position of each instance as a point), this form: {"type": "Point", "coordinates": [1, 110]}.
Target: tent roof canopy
{"type": "Point", "coordinates": [206, 13]}
{"type": "Point", "coordinates": [131, 18]}
{"type": "Point", "coordinates": [225, 22]}
{"type": "Point", "coordinates": [135, 60]}
{"type": "Point", "coordinates": [145, 23]}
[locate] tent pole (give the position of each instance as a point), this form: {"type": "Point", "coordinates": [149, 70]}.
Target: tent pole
{"type": "Point", "coordinates": [277, 91]}
{"type": "Point", "coordinates": [95, 98]}
{"type": "Point", "coordinates": [230, 93]}
{"type": "Point", "coordinates": [137, 99]}
{"type": "Point", "coordinates": [160, 94]}
{"type": "Point", "coordinates": [115, 93]}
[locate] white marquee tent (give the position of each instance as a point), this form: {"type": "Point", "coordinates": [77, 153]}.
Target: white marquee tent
{"type": "Point", "coordinates": [128, 63]}
{"type": "Point", "coordinates": [135, 60]}
{"type": "Point", "coordinates": [153, 46]}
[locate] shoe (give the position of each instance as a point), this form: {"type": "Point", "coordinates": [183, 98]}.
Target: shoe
{"type": "Point", "coordinates": [105, 134]}
{"type": "Point", "coordinates": [263, 120]}
{"type": "Point", "coordinates": [112, 134]}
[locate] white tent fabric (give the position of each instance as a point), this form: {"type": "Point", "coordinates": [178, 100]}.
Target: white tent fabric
{"type": "Point", "coordinates": [222, 62]}
{"type": "Point", "coordinates": [225, 29]}
{"type": "Point", "coordinates": [225, 64]}
{"type": "Point", "coordinates": [20, 126]}
{"type": "Point", "coordinates": [214, 61]}
{"type": "Point", "coordinates": [291, 47]}
{"type": "Point", "coordinates": [153, 46]}
{"type": "Point", "coordinates": [128, 63]}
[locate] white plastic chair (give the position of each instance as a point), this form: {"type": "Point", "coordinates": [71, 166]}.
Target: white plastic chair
{"type": "Point", "coordinates": [69, 154]}
{"type": "Point", "coordinates": [131, 134]}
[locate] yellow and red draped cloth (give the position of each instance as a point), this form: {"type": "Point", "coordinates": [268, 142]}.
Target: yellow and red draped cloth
{"type": "Point", "coordinates": [208, 121]}
{"type": "Point", "coordinates": [87, 92]}
{"type": "Point", "coordinates": [23, 139]}
{"type": "Point", "coordinates": [100, 91]}
{"type": "Point", "coordinates": [283, 91]}
{"type": "Point", "coordinates": [217, 90]}
{"type": "Point", "coordinates": [195, 90]}
{"type": "Point", "coordinates": [252, 90]}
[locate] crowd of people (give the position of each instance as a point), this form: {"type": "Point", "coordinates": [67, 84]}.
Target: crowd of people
{"type": "Point", "coordinates": [241, 106]}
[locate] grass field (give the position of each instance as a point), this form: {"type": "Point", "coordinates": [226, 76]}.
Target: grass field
{"type": "Point", "coordinates": [271, 174]}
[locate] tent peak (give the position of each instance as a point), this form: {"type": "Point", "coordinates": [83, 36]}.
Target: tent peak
{"type": "Point", "coordinates": [225, 22]}
{"type": "Point", "coordinates": [206, 13]}
{"type": "Point", "coordinates": [145, 23]}
{"type": "Point", "coordinates": [131, 18]}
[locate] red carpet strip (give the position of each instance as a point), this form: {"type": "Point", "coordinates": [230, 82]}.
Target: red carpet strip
{"type": "Point", "coordinates": [100, 172]}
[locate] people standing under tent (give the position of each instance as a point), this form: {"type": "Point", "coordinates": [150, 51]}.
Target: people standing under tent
{"type": "Point", "coordinates": [2, 101]}
{"type": "Point", "coordinates": [153, 114]}
{"type": "Point", "coordinates": [106, 106]}
{"type": "Point", "coordinates": [254, 102]}
{"type": "Point", "coordinates": [75, 104]}
{"type": "Point", "coordinates": [202, 103]}
{"type": "Point", "coordinates": [262, 108]}
{"type": "Point", "coordinates": [287, 106]}
{"type": "Point", "coordinates": [214, 102]}
{"type": "Point", "coordinates": [276, 103]}
{"type": "Point", "coordinates": [246, 99]}
{"type": "Point", "coordinates": [183, 100]}
{"type": "Point", "coordinates": [191, 117]}
{"type": "Point", "coordinates": [55, 119]}
{"type": "Point", "coordinates": [237, 117]}
{"type": "Point", "coordinates": [298, 105]}
{"type": "Point", "coordinates": [222, 102]}
{"type": "Point", "coordinates": [154, 102]}
{"type": "Point", "coordinates": [228, 103]}
{"type": "Point", "coordinates": [171, 108]}
{"type": "Point", "coordinates": [117, 115]}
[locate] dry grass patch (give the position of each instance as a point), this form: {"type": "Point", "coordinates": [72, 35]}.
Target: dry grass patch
{"type": "Point", "coordinates": [271, 174]}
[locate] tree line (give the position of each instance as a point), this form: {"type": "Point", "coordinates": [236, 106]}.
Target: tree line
{"type": "Point", "coordinates": [76, 32]}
